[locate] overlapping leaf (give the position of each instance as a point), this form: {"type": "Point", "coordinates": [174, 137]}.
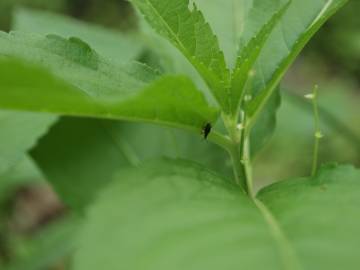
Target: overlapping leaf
{"type": "Point", "coordinates": [174, 215]}
{"type": "Point", "coordinates": [286, 44]}
{"type": "Point", "coordinates": [177, 215]}
{"type": "Point", "coordinates": [81, 83]}
{"type": "Point", "coordinates": [240, 22]}
{"type": "Point", "coordinates": [247, 57]}
{"type": "Point", "coordinates": [90, 151]}
{"type": "Point", "coordinates": [117, 46]}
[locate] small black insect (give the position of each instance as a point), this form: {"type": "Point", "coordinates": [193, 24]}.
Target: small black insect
{"type": "Point", "coordinates": [206, 130]}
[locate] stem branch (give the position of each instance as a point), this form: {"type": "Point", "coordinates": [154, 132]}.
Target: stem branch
{"type": "Point", "coordinates": [318, 134]}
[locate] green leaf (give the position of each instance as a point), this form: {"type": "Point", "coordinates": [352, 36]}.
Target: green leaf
{"type": "Point", "coordinates": [320, 216]}
{"type": "Point", "coordinates": [188, 31]}
{"type": "Point", "coordinates": [88, 156]}
{"type": "Point", "coordinates": [19, 132]}
{"type": "Point", "coordinates": [177, 215]}
{"type": "Point", "coordinates": [265, 127]}
{"type": "Point", "coordinates": [111, 44]}
{"type": "Point", "coordinates": [174, 215]}
{"type": "Point", "coordinates": [298, 25]}
{"type": "Point", "coordinates": [286, 44]}
{"type": "Point", "coordinates": [247, 57]}
{"type": "Point", "coordinates": [94, 87]}
{"type": "Point", "coordinates": [238, 22]}
{"type": "Point", "coordinates": [90, 151]}
{"type": "Point", "coordinates": [223, 17]}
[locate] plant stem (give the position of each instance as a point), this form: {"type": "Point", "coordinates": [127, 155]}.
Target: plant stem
{"type": "Point", "coordinates": [315, 157]}
{"type": "Point", "coordinates": [246, 157]}
{"type": "Point", "coordinates": [327, 118]}
{"type": "Point", "coordinates": [239, 152]}
{"type": "Point", "coordinates": [233, 149]}
{"type": "Point", "coordinates": [220, 140]}
{"type": "Point", "coordinates": [318, 134]}
{"type": "Point", "coordinates": [238, 168]}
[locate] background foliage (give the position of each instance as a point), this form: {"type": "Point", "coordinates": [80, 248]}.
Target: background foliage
{"type": "Point", "coordinates": [28, 229]}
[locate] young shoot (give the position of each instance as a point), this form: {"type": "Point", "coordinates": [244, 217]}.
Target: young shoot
{"type": "Point", "coordinates": [318, 135]}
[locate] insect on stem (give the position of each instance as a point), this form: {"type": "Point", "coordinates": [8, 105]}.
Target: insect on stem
{"type": "Point", "coordinates": [206, 130]}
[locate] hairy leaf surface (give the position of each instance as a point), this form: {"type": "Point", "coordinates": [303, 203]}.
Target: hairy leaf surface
{"type": "Point", "coordinates": [82, 83]}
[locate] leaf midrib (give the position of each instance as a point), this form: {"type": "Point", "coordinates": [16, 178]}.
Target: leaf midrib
{"type": "Point", "coordinates": [288, 254]}
{"type": "Point", "coordinates": [183, 48]}
{"type": "Point", "coordinates": [203, 70]}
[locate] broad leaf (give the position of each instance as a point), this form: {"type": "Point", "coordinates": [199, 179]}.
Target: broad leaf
{"type": "Point", "coordinates": [176, 215]}
{"type": "Point", "coordinates": [112, 44]}
{"type": "Point", "coordinates": [19, 132]}
{"type": "Point", "coordinates": [320, 217]}
{"type": "Point", "coordinates": [90, 151]}
{"type": "Point", "coordinates": [88, 157]}
{"type": "Point", "coordinates": [187, 29]}
{"type": "Point", "coordinates": [84, 84]}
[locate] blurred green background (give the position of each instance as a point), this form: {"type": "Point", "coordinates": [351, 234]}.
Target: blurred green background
{"type": "Point", "coordinates": [32, 217]}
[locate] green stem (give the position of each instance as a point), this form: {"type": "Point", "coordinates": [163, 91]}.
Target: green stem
{"type": "Point", "coordinates": [240, 153]}
{"type": "Point", "coordinates": [234, 150]}
{"type": "Point", "coordinates": [327, 118]}
{"type": "Point", "coordinates": [248, 167]}
{"type": "Point", "coordinates": [220, 140]}
{"type": "Point", "coordinates": [315, 157]}
{"type": "Point", "coordinates": [246, 157]}
{"type": "Point", "coordinates": [238, 168]}
{"type": "Point", "coordinates": [318, 135]}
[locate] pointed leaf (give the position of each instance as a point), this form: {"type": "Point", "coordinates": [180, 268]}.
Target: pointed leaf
{"type": "Point", "coordinates": [287, 55]}
{"type": "Point", "coordinates": [192, 35]}
{"type": "Point", "coordinates": [248, 54]}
